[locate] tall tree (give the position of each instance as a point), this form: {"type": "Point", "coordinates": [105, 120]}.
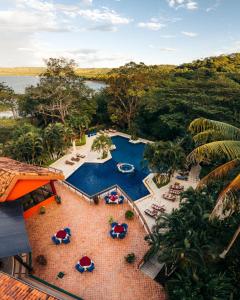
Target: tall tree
{"type": "Point", "coordinates": [217, 139]}
{"type": "Point", "coordinates": [59, 92]}
{"type": "Point", "coordinates": [9, 99]}
{"type": "Point", "coordinates": [102, 144]}
{"type": "Point", "coordinates": [126, 87]}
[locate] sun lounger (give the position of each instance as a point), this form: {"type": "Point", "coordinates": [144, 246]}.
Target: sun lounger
{"type": "Point", "coordinates": [169, 197]}
{"type": "Point", "coordinates": [175, 192]}
{"type": "Point", "coordinates": [75, 159]}
{"type": "Point", "coordinates": [67, 162]}
{"type": "Point", "coordinates": [158, 207]}
{"type": "Point", "coordinates": [182, 177]}
{"type": "Point", "coordinates": [177, 187]}
{"type": "Point", "coordinates": [151, 213]}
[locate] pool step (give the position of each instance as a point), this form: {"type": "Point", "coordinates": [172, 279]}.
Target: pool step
{"type": "Point", "coordinates": [152, 267]}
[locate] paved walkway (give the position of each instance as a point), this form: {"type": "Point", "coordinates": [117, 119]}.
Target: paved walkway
{"type": "Point", "coordinates": [113, 278]}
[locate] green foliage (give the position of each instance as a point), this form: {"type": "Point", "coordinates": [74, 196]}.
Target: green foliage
{"type": "Point", "coordinates": [42, 210]}
{"type": "Point", "coordinates": [102, 144]}
{"type": "Point", "coordinates": [110, 220]}
{"type": "Point", "coordinates": [81, 141]}
{"type": "Point", "coordinates": [190, 244]}
{"type": "Point", "coordinates": [129, 214]}
{"type": "Point", "coordinates": [130, 258]}
{"type": "Point", "coordinates": [58, 199]}
{"type": "Point", "coordinates": [41, 260]}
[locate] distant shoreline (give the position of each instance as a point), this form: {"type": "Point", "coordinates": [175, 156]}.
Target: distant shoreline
{"type": "Point", "coordinates": [88, 73]}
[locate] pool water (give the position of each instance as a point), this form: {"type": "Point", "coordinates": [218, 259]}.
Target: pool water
{"type": "Point", "coordinates": [92, 178]}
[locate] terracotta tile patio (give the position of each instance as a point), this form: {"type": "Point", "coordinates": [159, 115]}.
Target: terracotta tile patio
{"type": "Point", "coordinates": [113, 278]}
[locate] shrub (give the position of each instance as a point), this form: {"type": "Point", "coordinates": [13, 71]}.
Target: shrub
{"type": "Point", "coordinates": [130, 258]}
{"type": "Point", "coordinates": [129, 215]}
{"type": "Point", "coordinates": [110, 220]}
{"type": "Point", "coordinates": [41, 260]}
{"type": "Point", "coordinates": [58, 199]}
{"type": "Point", "coordinates": [42, 210]}
{"type": "Point", "coordinates": [81, 141]}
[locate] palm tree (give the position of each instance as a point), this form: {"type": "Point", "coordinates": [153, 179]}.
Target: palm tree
{"type": "Point", "coordinates": [218, 139]}
{"type": "Point", "coordinates": [164, 158]}
{"type": "Point", "coordinates": [102, 143]}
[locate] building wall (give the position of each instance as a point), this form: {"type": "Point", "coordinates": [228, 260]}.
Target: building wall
{"type": "Point", "coordinates": [24, 187]}
{"type": "Point", "coordinates": [36, 208]}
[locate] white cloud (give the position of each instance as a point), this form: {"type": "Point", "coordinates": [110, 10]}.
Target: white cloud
{"type": "Point", "coordinates": [189, 34]}
{"type": "Point", "coordinates": [214, 6]}
{"type": "Point", "coordinates": [153, 24]}
{"type": "Point", "coordinates": [168, 36]}
{"type": "Point", "coordinates": [168, 49]}
{"type": "Point", "coordinates": [187, 4]}
{"type": "Point", "coordinates": [103, 15]}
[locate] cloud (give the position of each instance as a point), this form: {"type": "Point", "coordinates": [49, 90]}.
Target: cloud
{"type": "Point", "coordinates": [189, 34]}
{"type": "Point", "coordinates": [153, 24]}
{"type": "Point", "coordinates": [164, 49]}
{"type": "Point", "coordinates": [167, 36]}
{"type": "Point", "coordinates": [214, 6]}
{"type": "Point", "coordinates": [104, 15]}
{"type": "Point", "coordinates": [187, 4]}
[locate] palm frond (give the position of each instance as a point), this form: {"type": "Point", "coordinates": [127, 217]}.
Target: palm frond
{"type": "Point", "coordinates": [219, 172]}
{"type": "Point", "coordinates": [207, 136]}
{"type": "Point", "coordinates": [228, 200]}
{"type": "Point", "coordinates": [229, 149]}
{"type": "Point", "coordinates": [228, 131]}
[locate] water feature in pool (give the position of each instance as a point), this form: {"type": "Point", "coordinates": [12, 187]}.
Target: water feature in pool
{"type": "Point", "coordinates": [93, 178]}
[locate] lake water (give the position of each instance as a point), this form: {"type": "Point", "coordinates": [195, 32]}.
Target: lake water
{"type": "Point", "coordinates": [19, 83]}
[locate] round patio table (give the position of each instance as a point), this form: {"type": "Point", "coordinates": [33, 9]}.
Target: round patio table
{"type": "Point", "coordinates": [61, 234]}
{"type": "Point", "coordinates": [118, 229]}
{"type": "Point", "coordinates": [85, 264]}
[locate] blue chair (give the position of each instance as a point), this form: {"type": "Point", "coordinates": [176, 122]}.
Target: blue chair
{"type": "Point", "coordinates": [114, 224]}
{"type": "Point", "coordinates": [79, 268]}
{"type": "Point", "coordinates": [67, 230]}
{"type": "Point", "coordinates": [55, 240]}
{"type": "Point", "coordinates": [113, 234]}
{"type": "Point", "coordinates": [125, 226]}
{"type": "Point", "coordinates": [122, 235]}
{"type": "Point", "coordinates": [121, 199]}
{"type": "Point", "coordinates": [91, 268]}
{"type": "Point", "coordinates": [66, 240]}
{"type": "Point", "coordinates": [114, 193]}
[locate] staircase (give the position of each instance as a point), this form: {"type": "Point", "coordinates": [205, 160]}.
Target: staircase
{"type": "Point", "coordinates": [152, 267]}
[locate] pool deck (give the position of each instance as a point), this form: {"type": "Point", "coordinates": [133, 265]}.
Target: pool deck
{"type": "Point", "coordinates": [155, 195]}
{"type": "Point", "coordinates": [113, 278]}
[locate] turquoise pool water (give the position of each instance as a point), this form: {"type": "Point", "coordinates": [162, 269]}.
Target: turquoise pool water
{"type": "Point", "coordinates": [92, 178]}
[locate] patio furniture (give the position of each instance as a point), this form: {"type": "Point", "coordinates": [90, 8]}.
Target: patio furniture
{"type": "Point", "coordinates": [158, 207]}
{"type": "Point", "coordinates": [176, 186]}
{"type": "Point", "coordinates": [114, 198]}
{"type": "Point", "coordinates": [85, 264]}
{"type": "Point", "coordinates": [169, 197]}
{"type": "Point", "coordinates": [62, 236]}
{"type": "Point", "coordinates": [80, 156]}
{"type": "Point", "coordinates": [175, 192]}
{"type": "Point", "coordinates": [76, 159]}
{"type": "Point", "coordinates": [67, 162]}
{"type": "Point", "coordinates": [118, 230]}
{"type": "Point", "coordinates": [151, 213]}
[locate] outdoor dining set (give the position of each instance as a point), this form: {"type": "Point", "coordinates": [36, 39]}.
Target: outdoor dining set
{"type": "Point", "coordinates": [114, 198]}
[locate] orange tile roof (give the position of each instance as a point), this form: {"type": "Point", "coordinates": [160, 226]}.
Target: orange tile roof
{"type": "Point", "coordinates": [11, 171]}
{"type": "Point", "coordinates": [11, 289]}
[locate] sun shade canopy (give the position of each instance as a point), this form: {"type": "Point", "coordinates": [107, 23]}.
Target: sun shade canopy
{"type": "Point", "coordinates": [13, 235]}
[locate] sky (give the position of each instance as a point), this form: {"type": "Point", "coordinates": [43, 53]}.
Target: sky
{"type": "Point", "coordinates": [110, 33]}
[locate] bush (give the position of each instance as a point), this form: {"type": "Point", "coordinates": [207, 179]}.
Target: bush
{"type": "Point", "coordinates": [58, 199]}
{"type": "Point", "coordinates": [130, 258]}
{"type": "Point", "coordinates": [129, 215]}
{"type": "Point", "coordinates": [110, 220]}
{"type": "Point", "coordinates": [42, 210]}
{"type": "Point", "coordinates": [41, 260]}
{"type": "Point", "coordinates": [81, 141]}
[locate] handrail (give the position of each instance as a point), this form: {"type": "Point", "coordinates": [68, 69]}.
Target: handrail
{"type": "Point", "coordinates": [129, 199]}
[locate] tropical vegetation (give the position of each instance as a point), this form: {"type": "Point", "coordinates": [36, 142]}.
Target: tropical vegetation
{"type": "Point", "coordinates": [102, 144]}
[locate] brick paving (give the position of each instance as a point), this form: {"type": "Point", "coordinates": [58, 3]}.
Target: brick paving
{"type": "Point", "coordinates": [113, 278]}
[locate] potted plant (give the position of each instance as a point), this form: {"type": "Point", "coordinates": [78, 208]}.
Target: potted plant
{"type": "Point", "coordinates": [129, 214]}
{"type": "Point", "coordinates": [58, 199]}
{"type": "Point", "coordinates": [42, 210]}
{"type": "Point", "coordinates": [130, 258]}
{"type": "Point", "coordinates": [110, 220]}
{"type": "Point", "coordinates": [41, 260]}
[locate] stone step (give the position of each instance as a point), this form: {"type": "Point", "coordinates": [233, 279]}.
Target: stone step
{"type": "Point", "coordinates": [151, 268]}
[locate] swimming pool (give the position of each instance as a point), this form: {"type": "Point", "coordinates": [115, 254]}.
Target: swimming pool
{"type": "Point", "coordinates": [92, 178]}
